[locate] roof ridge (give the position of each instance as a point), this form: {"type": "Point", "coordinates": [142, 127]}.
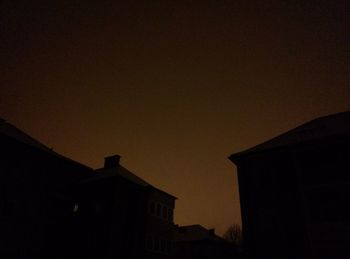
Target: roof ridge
{"type": "Point", "coordinates": [337, 114]}
{"type": "Point", "coordinates": [192, 225]}
{"type": "Point", "coordinates": [335, 124]}
{"type": "Point", "coordinates": [125, 173]}
{"type": "Point", "coordinates": [13, 131]}
{"type": "Point", "coordinates": [134, 175]}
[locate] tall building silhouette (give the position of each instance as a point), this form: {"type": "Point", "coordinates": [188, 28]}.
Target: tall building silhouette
{"type": "Point", "coordinates": [295, 192]}
{"type": "Point", "coordinates": [54, 207]}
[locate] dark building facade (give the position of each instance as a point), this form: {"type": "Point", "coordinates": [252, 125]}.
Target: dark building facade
{"type": "Point", "coordinates": [54, 207]}
{"type": "Point", "coordinates": [37, 198]}
{"type": "Point", "coordinates": [134, 218]}
{"type": "Point", "coordinates": [295, 192]}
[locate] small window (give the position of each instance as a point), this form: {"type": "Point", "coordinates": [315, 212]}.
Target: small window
{"type": "Point", "coordinates": [168, 246]}
{"type": "Point", "coordinates": [149, 243]}
{"type": "Point", "coordinates": [75, 208]}
{"type": "Point", "coordinates": [163, 246]}
{"type": "Point", "coordinates": [159, 207]}
{"type": "Point", "coordinates": [165, 214]}
{"type": "Point", "coordinates": [170, 214]}
{"type": "Point", "coordinates": [156, 244]}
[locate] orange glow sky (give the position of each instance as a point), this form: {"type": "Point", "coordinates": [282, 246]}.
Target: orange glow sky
{"type": "Point", "coordinates": [174, 87]}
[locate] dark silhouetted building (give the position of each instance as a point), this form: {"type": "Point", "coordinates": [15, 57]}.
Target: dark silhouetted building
{"type": "Point", "coordinates": [295, 192]}
{"type": "Point", "coordinates": [54, 207]}
{"type": "Point", "coordinates": [38, 203]}
{"type": "Point", "coordinates": [197, 242]}
{"type": "Point", "coordinates": [131, 218]}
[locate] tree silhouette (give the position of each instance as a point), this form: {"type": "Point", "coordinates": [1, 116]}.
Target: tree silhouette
{"type": "Point", "coordinates": [233, 234]}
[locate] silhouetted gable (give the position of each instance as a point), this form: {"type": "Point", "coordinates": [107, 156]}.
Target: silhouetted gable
{"type": "Point", "coordinates": [294, 191]}
{"type": "Point", "coordinates": [132, 177]}
{"type": "Point", "coordinates": [122, 172]}
{"type": "Point", "coordinates": [104, 173]}
{"type": "Point", "coordinates": [335, 125]}
{"type": "Point", "coordinates": [11, 131]}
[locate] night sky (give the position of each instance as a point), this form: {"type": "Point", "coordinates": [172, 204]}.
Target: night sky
{"type": "Point", "coordinates": [174, 87]}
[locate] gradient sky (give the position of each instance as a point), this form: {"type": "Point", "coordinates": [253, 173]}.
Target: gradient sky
{"type": "Point", "coordinates": [174, 87]}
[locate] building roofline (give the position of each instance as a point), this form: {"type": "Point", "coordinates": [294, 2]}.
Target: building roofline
{"type": "Point", "coordinates": [12, 132]}
{"type": "Point", "coordinates": [166, 193]}
{"type": "Point", "coordinates": [103, 173]}
{"type": "Point", "coordinates": [325, 127]}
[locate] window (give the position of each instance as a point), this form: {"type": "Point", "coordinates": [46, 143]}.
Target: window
{"type": "Point", "coordinates": [149, 243]}
{"type": "Point", "coordinates": [156, 244]}
{"type": "Point", "coordinates": [168, 246]}
{"type": "Point", "coordinates": [76, 207]}
{"type": "Point", "coordinates": [170, 214]}
{"type": "Point", "coordinates": [163, 245]}
{"type": "Point", "coordinates": [160, 210]}
{"type": "Point", "coordinates": [152, 208]}
{"type": "Point", "coordinates": [159, 207]}
{"type": "Point", "coordinates": [165, 214]}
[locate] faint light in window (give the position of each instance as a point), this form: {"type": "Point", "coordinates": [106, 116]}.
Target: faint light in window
{"type": "Point", "coordinates": [76, 207]}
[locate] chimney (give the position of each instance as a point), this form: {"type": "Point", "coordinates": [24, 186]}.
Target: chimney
{"type": "Point", "coordinates": [112, 161]}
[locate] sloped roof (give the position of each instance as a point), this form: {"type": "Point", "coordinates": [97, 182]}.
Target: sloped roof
{"type": "Point", "coordinates": [16, 134]}
{"type": "Point", "coordinates": [328, 126]}
{"type": "Point", "coordinates": [121, 171]}
{"type": "Point", "coordinates": [195, 233]}
{"type": "Point", "coordinates": [11, 131]}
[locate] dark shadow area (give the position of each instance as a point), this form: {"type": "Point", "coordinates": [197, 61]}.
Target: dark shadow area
{"type": "Point", "coordinates": [54, 207]}
{"type": "Point", "coordinates": [295, 192]}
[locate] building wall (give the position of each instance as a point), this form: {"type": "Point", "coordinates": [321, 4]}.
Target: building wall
{"type": "Point", "coordinates": [159, 224]}
{"type": "Point", "coordinates": [297, 200]}
{"type": "Point", "coordinates": [50, 208]}
{"type": "Point", "coordinates": [206, 248]}
{"type": "Point", "coordinates": [272, 212]}
{"type": "Point", "coordinates": [326, 186]}
{"type": "Point", "coordinates": [118, 223]}
{"type": "Point", "coordinates": [112, 216]}
{"type": "Point", "coordinates": [36, 202]}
